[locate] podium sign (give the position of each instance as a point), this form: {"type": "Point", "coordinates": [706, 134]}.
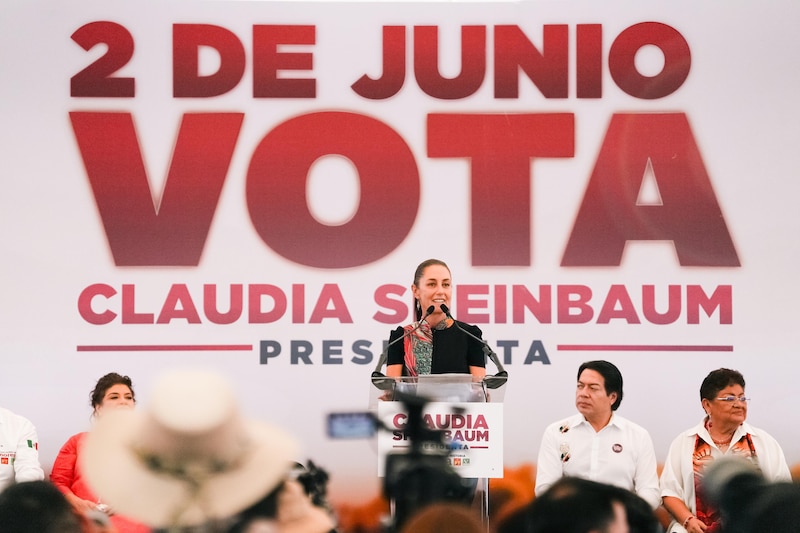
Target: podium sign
{"type": "Point", "coordinates": [472, 432]}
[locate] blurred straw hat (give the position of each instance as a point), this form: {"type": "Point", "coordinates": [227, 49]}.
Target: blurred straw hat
{"type": "Point", "coordinates": [188, 458]}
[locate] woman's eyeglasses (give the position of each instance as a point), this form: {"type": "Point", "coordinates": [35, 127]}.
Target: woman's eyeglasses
{"type": "Point", "coordinates": [731, 398]}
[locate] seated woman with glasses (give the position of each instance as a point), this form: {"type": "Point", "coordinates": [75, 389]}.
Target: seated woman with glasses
{"type": "Point", "coordinates": [722, 432]}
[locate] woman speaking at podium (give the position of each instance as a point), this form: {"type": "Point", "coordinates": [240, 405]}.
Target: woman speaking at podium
{"type": "Point", "coordinates": [434, 343]}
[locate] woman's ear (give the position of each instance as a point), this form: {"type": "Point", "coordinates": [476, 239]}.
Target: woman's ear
{"type": "Point", "coordinates": [706, 405]}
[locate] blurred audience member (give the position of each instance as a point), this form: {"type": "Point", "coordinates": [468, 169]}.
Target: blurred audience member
{"type": "Point", "coordinates": [111, 392]}
{"type": "Point", "coordinates": [641, 516]}
{"type": "Point", "coordinates": [298, 505]}
{"type": "Point", "coordinates": [513, 520]}
{"type": "Point", "coordinates": [444, 517]}
{"type": "Point", "coordinates": [37, 507]}
{"type": "Point", "coordinates": [190, 461]}
{"type": "Point", "coordinates": [749, 503]}
{"type": "Point", "coordinates": [577, 505]}
{"type": "Point", "coordinates": [19, 450]}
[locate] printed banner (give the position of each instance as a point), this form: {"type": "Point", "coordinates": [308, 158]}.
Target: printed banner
{"type": "Point", "coordinates": [249, 187]}
{"type": "Point", "coordinates": [467, 436]}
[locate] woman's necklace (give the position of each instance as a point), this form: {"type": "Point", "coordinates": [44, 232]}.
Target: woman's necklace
{"type": "Point", "coordinates": [722, 443]}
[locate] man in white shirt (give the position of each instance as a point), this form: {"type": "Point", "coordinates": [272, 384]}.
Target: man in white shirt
{"type": "Point", "coordinates": [19, 450]}
{"type": "Point", "coordinates": [597, 443]}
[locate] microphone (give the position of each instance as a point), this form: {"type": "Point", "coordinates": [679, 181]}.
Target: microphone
{"type": "Point", "coordinates": [379, 379]}
{"type": "Point", "coordinates": [492, 382]}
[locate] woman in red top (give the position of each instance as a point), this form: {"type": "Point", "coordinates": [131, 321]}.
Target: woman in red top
{"type": "Point", "coordinates": [112, 391]}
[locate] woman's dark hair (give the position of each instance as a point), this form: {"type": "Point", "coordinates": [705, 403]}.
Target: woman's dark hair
{"type": "Point", "coordinates": [612, 378]}
{"type": "Point", "coordinates": [418, 276]}
{"type": "Point", "coordinates": [717, 380]}
{"type": "Point", "coordinates": [105, 383]}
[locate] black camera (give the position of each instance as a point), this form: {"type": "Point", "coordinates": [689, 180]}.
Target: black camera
{"type": "Point", "coordinates": [423, 475]}
{"type": "Point", "coordinates": [417, 477]}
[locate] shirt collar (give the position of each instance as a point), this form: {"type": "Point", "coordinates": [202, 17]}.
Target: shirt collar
{"type": "Point", "coordinates": [613, 421]}
{"type": "Point", "coordinates": [700, 429]}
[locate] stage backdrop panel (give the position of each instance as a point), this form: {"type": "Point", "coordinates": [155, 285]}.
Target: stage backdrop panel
{"type": "Point", "coordinates": [248, 187]}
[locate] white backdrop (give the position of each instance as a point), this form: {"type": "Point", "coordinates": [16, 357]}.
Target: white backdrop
{"type": "Point", "coordinates": [345, 291]}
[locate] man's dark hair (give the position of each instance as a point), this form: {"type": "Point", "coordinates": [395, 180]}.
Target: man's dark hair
{"type": "Point", "coordinates": [611, 376]}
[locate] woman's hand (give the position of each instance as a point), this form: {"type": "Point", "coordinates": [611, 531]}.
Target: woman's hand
{"type": "Point", "coordinates": [695, 525]}
{"type": "Point", "coordinates": [681, 513]}
{"type": "Point", "coordinates": [81, 505]}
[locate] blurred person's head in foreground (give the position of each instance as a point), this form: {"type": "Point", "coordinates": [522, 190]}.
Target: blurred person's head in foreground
{"type": "Point", "coordinates": [748, 502]}
{"type": "Point", "coordinates": [37, 507]}
{"type": "Point", "coordinates": [297, 505]}
{"type": "Point", "coordinates": [444, 517]}
{"type": "Point", "coordinates": [575, 505]}
{"type": "Point", "coordinates": [187, 459]}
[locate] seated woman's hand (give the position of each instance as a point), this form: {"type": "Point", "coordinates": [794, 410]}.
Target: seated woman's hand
{"type": "Point", "coordinates": [81, 505]}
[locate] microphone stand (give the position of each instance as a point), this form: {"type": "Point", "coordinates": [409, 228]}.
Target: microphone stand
{"type": "Point", "coordinates": [492, 382]}
{"type": "Point", "coordinates": [379, 379]}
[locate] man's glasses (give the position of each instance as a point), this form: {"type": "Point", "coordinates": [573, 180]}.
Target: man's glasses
{"type": "Point", "coordinates": [731, 398]}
